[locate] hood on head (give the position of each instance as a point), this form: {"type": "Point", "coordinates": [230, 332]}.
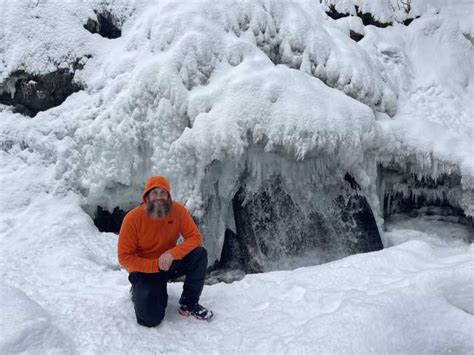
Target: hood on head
{"type": "Point", "coordinates": [156, 181]}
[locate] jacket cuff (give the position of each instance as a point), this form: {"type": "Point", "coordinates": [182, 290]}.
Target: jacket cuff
{"type": "Point", "coordinates": [176, 253]}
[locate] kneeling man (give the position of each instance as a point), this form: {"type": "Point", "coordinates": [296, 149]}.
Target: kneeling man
{"type": "Point", "coordinates": [147, 249]}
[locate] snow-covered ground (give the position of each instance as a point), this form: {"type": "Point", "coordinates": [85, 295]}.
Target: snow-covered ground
{"type": "Point", "coordinates": [63, 292]}
{"type": "Point", "coordinates": [191, 83]}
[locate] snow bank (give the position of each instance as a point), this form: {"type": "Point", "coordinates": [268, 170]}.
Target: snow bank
{"type": "Point", "coordinates": [321, 309]}
{"type": "Point", "coordinates": [444, 236]}
{"type": "Point", "coordinates": [26, 327]}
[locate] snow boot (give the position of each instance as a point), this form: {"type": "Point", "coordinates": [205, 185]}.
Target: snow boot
{"type": "Point", "coordinates": [197, 311]}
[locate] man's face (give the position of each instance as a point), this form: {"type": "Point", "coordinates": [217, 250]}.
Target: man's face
{"type": "Point", "coordinates": [158, 203]}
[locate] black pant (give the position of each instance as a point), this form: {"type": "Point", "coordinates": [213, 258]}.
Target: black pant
{"type": "Point", "coordinates": [150, 295]}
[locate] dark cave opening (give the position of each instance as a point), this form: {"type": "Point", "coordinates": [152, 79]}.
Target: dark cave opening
{"type": "Point", "coordinates": [105, 25]}
{"type": "Point", "coordinates": [109, 222]}
{"type": "Point", "coordinates": [408, 194]}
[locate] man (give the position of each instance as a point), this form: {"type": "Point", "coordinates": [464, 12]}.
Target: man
{"type": "Point", "coordinates": [147, 249]}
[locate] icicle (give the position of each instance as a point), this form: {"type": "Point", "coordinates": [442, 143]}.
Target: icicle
{"type": "Point", "coordinates": [389, 202]}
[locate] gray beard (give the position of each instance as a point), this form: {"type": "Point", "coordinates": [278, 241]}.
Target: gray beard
{"type": "Point", "coordinates": [157, 211]}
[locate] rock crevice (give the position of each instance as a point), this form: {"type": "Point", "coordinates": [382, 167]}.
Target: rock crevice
{"type": "Point", "coordinates": [105, 25]}
{"type": "Point", "coordinates": [32, 93]}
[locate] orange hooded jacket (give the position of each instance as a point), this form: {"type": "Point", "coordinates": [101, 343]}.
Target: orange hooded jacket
{"type": "Point", "coordinates": [143, 239]}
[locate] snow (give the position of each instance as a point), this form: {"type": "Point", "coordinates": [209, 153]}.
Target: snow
{"type": "Point", "coordinates": [173, 86]}
{"type": "Point", "coordinates": [42, 36]}
{"type": "Point", "coordinates": [444, 235]}
{"type": "Point", "coordinates": [433, 124]}
{"type": "Point", "coordinates": [171, 77]}
{"type": "Point", "coordinates": [29, 326]}
{"type": "Point", "coordinates": [158, 72]}
{"type": "Point", "coordinates": [414, 297]}
{"type": "Point", "coordinates": [203, 91]}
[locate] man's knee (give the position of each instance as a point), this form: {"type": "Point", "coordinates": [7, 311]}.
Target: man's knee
{"type": "Point", "coordinates": [150, 299]}
{"type": "Point", "coordinates": [150, 312]}
{"type": "Point", "coordinates": [149, 320]}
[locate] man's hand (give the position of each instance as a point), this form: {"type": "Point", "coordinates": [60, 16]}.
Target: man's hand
{"type": "Point", "coordinates": [165, 260]}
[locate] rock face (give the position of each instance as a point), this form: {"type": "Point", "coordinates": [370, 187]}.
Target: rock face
{"type": "Point", "coordinates": [30, 94]}
{"type": "Point", "coordinates": [272, 228]}
{"type": "Point", "coordinates": [356, 36]}
{"type": "Point", "coordinates": [367, 18]}
{"type": "Point", "coordinates": [105, 25]}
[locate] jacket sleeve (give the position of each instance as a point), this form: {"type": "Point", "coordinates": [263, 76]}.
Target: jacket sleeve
{"type": "Point", "coordinates": [190, 232]}
{"type": "Point", "coordinates": [127, 247]}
